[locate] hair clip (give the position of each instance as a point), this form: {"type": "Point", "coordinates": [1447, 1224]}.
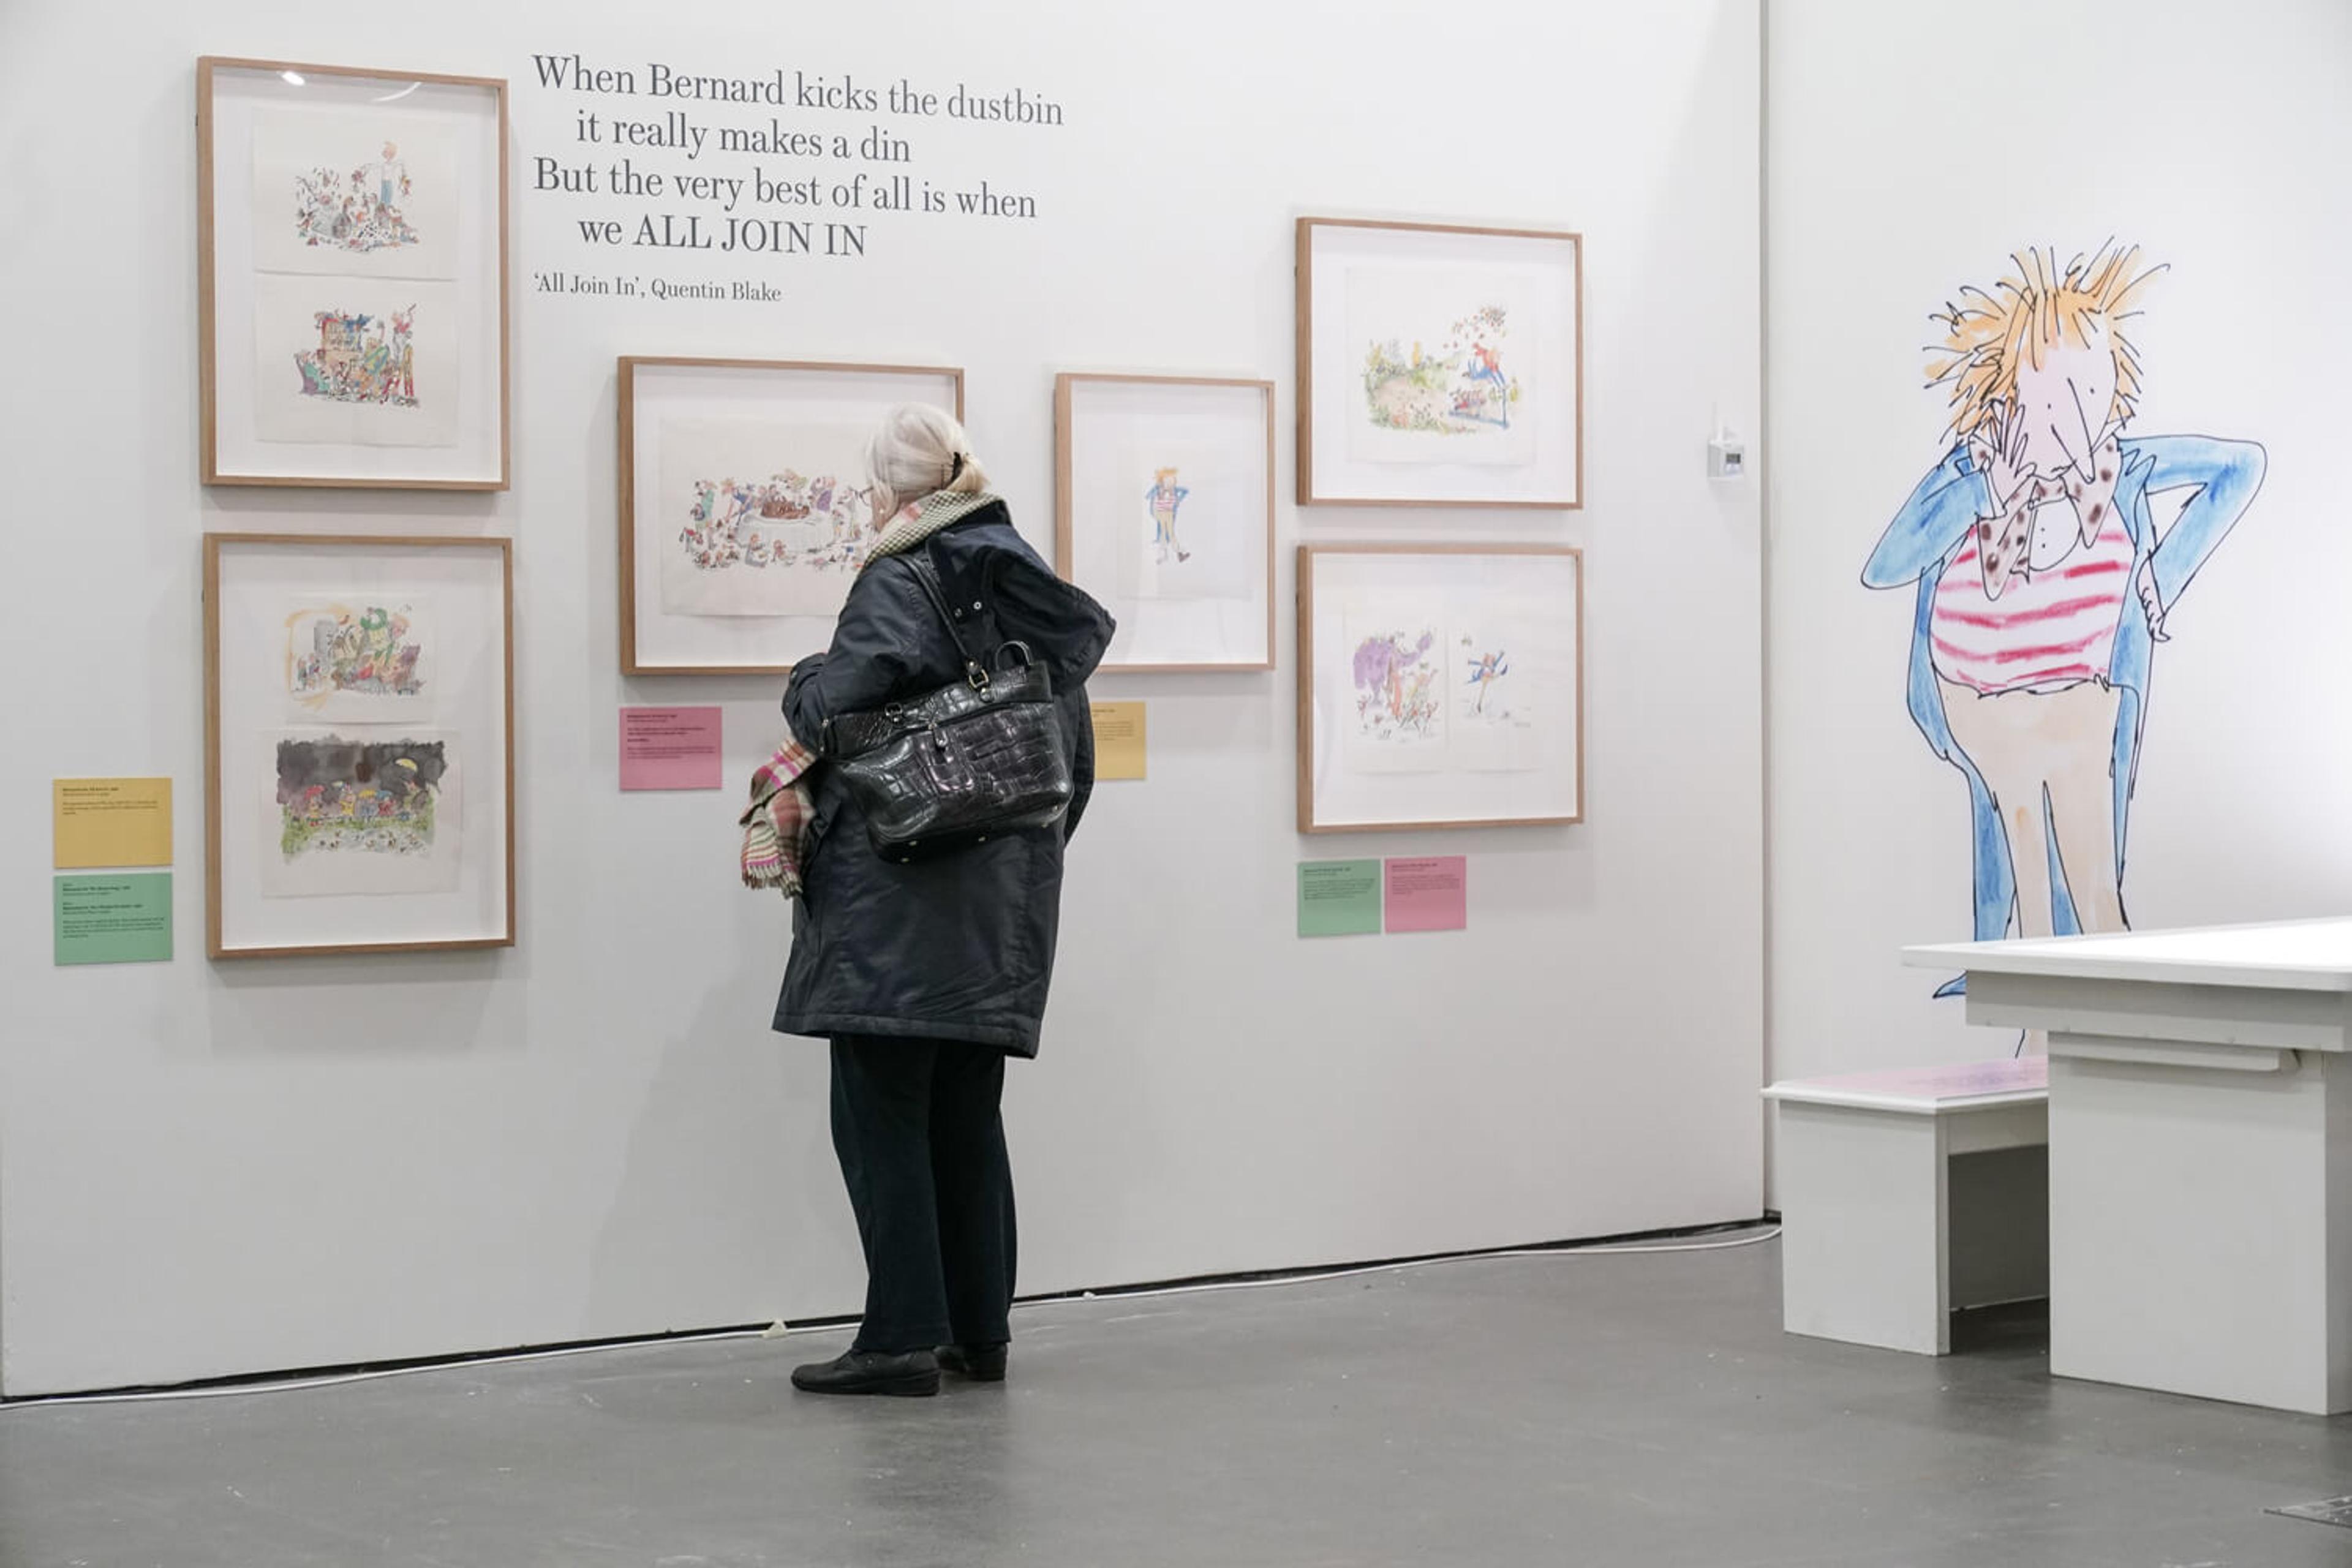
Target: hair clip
{"type": "Point", "coordinates": [955, 469]}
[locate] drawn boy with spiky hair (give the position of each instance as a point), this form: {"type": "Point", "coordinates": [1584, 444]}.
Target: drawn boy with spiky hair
{"type": "Point", "coordinates": [2043, 583]}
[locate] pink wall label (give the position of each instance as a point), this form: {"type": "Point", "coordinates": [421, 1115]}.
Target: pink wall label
{"type": "Point", "coordinates": [670, 747]}
{"type": "Point", "coordinates": [1429, 893]}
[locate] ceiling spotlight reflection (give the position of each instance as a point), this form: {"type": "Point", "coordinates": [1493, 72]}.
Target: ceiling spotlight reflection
{"type": "Point", "coordinates": [293, 78]}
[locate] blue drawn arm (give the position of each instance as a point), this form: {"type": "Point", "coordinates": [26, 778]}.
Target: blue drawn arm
{"type": "Point", "coordinates": [2227, 474]}
{"type": "Point", "coordinates": [1938, 515]}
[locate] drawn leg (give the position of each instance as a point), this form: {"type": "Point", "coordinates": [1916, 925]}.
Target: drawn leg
{"type": "Point", "coordinates": [2000, 736]}
{"type": "Point", "coordinates": [1997, 733]}
{"type": "Point", "coordinates": [2081, 804]}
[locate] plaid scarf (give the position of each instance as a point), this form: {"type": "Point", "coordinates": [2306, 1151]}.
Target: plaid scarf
{"type": "Point", "coordinates": [932, 514]}
{"type": "Point", "coordinates": [776, 824]}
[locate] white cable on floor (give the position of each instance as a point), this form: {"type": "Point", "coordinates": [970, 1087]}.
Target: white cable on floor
{"type": "Point", "coordinates": [780, 1331]}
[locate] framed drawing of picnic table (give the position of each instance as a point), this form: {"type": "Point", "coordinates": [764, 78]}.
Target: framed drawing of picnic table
{"type": "Point", "coordinates": [745, 508]}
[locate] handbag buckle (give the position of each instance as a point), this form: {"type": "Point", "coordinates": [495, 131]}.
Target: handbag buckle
{"type": "Point", "coordinates": [952, 776]}
{"type": "Point", "coordinates": [977, 674]}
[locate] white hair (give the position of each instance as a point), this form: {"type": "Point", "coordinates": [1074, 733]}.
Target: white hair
{"type": "Point", "coordinates": [919, 453]}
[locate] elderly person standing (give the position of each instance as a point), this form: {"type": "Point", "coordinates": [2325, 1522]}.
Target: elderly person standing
{"type": "Point", "coordinates": [925, 977]}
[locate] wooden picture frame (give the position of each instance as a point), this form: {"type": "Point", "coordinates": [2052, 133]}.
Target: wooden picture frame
{"type": "Point", "coordinates": [249, 679]}
{"type": "Point", "coordinates": [660, 396]}
{"type": "Point", "coordinates": [1442, 439]}
{"type": "Point", "coordinates": [1190, 632]}
{"type": "Point", "coordinates": [376, 422]}
{"type": "Point", "coordinates": [1517, 767]}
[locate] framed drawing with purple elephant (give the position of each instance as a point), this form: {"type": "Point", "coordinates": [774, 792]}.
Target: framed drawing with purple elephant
{"type": "Point", "coordinates": [1439, 686]}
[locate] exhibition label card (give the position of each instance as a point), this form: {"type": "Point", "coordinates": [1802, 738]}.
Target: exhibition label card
{"type": "Point", "coordinates": [1429, 893]}
{"type": "Point", "coordinates": [1339, 898]}
{"type": "Point", "coordinates": [1119, 741]}
{"type": "Point", "coordinates": [670, 747]}
{"type": "Point", "coordinates": [111, 822]}
{"type": "Point", "coordinates": [124, 919]}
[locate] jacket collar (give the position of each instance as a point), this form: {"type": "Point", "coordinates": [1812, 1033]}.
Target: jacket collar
{"type": "Point", "coordinates": [940, 511]}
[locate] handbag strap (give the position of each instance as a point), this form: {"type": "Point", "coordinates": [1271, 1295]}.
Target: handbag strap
{"type": "Point", "coordinates": [926, 577]}
{"type": "Point", "coordinates": [927, 574]}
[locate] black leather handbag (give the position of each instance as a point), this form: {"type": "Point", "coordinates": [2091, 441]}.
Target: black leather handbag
{"type": "Point", "coordinates": [950, 769]}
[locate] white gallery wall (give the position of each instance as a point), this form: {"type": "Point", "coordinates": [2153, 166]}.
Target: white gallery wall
{"type": "Point", "coordinates": [1911, 150]}
{"type": "Point", "coordinates": [211, 1168]}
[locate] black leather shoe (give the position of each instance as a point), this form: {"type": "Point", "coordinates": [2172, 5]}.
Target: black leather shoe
{"type": "Point", "coordinates": [982, 1363]}
{"type": "Point", "coordinates": [910, 1373]}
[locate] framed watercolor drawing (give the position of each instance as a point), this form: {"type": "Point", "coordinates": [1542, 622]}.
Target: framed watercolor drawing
{"type": "Point", "coordinates": [352, 277]}
{"type": "Point", "coordinates": [359, 740]}
{"type": "Point", "coordinates": [744, 506]}
{"type": "Point", "coordinates": [1439, 365]}
{"type": "Point", "coordinates": [1439, 686]}
{"type": "Point", "coordinates": [1164, 509]}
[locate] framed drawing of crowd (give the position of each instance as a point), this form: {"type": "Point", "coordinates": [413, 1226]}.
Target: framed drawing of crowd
{"type": "Point", "coordinates": [352, 277]}
{"type": "Point", "coordinates": [745, 512]}
{"type": "Point", "coordinates": [359, 738]}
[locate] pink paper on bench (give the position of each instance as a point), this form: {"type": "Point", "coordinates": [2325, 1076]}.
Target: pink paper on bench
{"type": "Point", "coordinates": [1960, 1081]}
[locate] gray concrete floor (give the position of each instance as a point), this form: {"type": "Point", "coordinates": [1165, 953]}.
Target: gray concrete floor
{"type": "Point", "coordinates": [1568, 1411]}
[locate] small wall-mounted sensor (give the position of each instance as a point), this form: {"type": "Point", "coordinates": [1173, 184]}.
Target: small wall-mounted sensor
{"type": "Point", "coordinates": [1727, 459]}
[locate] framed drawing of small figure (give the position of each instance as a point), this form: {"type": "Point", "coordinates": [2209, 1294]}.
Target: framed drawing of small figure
{"type": "Point", "coordinates": [359, 702]}
{"type": "Point", "coordinates": [1438, 365]}
{"type": "Point", "coordinates": [745, 513]}
{"type": "Point", "coordinates": [1164, 511]}
{"type": "Point", "coordinates": [1439, 686]}
{"type": "Point", "coordinates": [352, 277]}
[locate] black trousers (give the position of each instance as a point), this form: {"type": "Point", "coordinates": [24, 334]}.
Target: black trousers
{"type": "Point", "coordinates": [918, 1127]}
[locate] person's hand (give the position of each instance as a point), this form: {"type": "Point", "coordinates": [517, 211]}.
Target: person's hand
{"type": "Point", "coordinates": [1998, 452]}
{"type": "Point", "coordinates": [2152, 603]}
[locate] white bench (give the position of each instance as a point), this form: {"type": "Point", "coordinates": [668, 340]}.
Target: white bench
{"type": "Point", "coordinates": [1906, 1195]}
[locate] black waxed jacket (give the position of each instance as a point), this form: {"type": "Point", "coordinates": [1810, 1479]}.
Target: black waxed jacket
{"type": "Point", "coordinates": [960, 948]}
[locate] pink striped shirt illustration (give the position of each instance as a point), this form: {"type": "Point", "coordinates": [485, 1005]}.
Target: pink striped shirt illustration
{"type": "Point", "coordinates": [2049, 628]}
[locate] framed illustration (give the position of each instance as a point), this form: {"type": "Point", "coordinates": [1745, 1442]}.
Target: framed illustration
{"type": "Point", "coordinates": [745, 510]}
{"type": "Point", "coordinates": [1164, 509]}
{"type": "Point", "coordinates": [352, 277]}
{"type": "Point", "coordinates": [1439, 365]}
{"type": "Point", "coordinates": [358, 745]}
{"type": "Point", "coordinates": [1439, 686]}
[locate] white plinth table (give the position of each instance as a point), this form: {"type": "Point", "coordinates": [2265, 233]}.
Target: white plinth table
{"type": "Point", "coordinates": [2200, 1152]}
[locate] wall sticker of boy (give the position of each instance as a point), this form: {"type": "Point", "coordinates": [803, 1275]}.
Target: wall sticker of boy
{"type": "Point", "coordinates": [2043, 584]}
